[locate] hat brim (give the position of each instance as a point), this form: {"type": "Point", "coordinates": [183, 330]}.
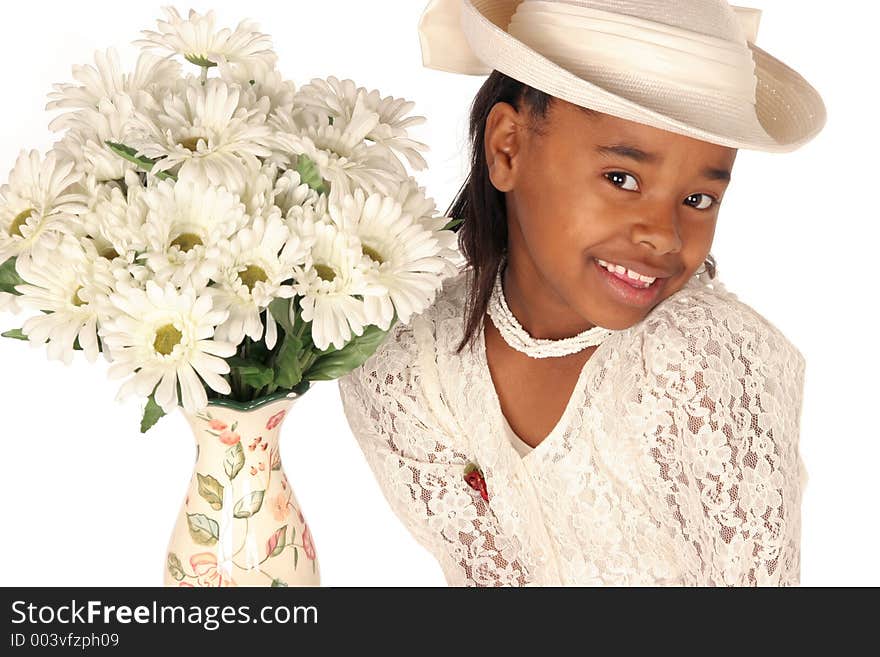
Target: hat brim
{"type": "Point", "coordinates": [789, 112]}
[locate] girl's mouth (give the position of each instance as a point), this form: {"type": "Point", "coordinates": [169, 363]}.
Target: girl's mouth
{"type": "Point", "coordinates": [630, 291]}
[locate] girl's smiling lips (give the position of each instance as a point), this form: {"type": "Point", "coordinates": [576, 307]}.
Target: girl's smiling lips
{"type": "Point", "coordinates": [628, 293]}
{"type": "Point", "coordinates": [640, 267]}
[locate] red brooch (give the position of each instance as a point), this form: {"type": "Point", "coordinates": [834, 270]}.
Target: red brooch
{"type": "Point", "coordinates": [474, 478]}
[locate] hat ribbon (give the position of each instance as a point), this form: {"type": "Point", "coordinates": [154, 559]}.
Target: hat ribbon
{"type": "Point", "coordinates": [593, 43]}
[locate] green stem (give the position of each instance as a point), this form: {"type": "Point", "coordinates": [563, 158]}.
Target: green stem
{"type": "Point", "coordinates": [236, 385]}
{"type": "Point", "coordinates": [244, 355]}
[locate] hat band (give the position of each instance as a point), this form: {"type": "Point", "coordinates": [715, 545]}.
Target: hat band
{"type": "Point", "coordinates": [591, 43]}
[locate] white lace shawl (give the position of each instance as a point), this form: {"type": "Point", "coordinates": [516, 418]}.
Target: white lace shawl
{"type": "Point", "coordinates": [677, 463]}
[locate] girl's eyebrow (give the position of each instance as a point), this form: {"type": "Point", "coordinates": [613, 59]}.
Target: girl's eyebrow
{"type": "Point", "coordinates": [637, 154]}
{"type": "Point", "coordinates": [632, 152]}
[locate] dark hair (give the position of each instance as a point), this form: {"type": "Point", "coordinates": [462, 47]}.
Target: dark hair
{"type": "Point", "coordinates": [482, 233]}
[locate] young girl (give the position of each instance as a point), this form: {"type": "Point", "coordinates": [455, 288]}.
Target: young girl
{"type": "Point", "coordinates": [621, 418]}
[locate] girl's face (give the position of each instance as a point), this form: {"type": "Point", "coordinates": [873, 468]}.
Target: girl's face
{"type": "Point", "coordinates": [580, 188]}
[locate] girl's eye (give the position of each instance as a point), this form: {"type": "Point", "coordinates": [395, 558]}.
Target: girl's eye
{"type": "Point", "coordinates": [617, 175]}
{"type": "Point", "coordinates": [618, 179]}
{"type": "Point", "coordinates": [704, 204]}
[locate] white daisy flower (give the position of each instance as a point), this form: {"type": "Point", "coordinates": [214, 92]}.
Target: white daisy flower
{"type": "Point", "coordinates": [197, 39]}
{"type": "Point", "coordinates": [258, 192]}
{"type": "Point", "coordinates": [162, 336]}
{"type": "Point", "coordinates": [290, 191]}
{"type": "Point", "coordinates": [68, 294]}
{"type": "Point", "coordinates": [405, 260]}
{"type": "Point", "coordinates": [259, 80]}
{"type": "Point", "coordinates": [87, 134]}
{"type": "Point", "coordinates": [339, 150]}
{"type": "Point", "coordinates": [116, 222]}
{"type": "Point", "coordinates": [92, 193]}
{"type": "Point", "coordinates": [414, 201]}
{"type": "Point", "coordinates": [262, 258]}
{"type": "Point", "coordinates": [9, 303]}
{"type": "Point", "coordinates": [107, 80]}
{"type": "Point", "coordinates": [338, 98]}
{"type": "Point", "coordinates": [187, 229]}
{"type": "Point", "coordinates": [205, 130]}
{"type": "Point", "coordinates": [329, 282]}
{"type": "Point", "coordinates": [37, 204]}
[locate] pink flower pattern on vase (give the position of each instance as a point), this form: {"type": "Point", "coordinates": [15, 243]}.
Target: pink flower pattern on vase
{"type": "Point", "coordinates": [229, 438]}
{"type": "Point", "coordinates": [240, 524]}
{"type": "Point", "coordinates": [204, 565]}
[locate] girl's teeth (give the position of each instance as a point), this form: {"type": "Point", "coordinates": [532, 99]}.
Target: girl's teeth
{"type": "Point", "coordinates": [635, 276]}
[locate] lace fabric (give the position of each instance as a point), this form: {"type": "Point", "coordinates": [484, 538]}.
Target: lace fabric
{"type": "Point", "coordinates": [674, 463]}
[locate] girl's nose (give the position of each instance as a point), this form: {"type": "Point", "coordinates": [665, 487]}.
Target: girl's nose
{"type": "Point", "coordinates": [657, 226]}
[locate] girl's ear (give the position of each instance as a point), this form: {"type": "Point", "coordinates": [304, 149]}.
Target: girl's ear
{"type": "Point", "coordinates": [502, 141]}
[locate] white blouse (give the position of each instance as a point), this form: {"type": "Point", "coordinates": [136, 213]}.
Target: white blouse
{"type": "Point", "coordinates": [675, 461]}
{"type": "Point", "coordinates": [518, 443]}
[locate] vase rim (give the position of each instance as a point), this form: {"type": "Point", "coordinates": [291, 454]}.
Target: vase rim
{"type": "Point", "coordinates": [255, 404]}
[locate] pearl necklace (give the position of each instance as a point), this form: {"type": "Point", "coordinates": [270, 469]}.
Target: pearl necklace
{"type": "Point", "coordinates": [518, 338]}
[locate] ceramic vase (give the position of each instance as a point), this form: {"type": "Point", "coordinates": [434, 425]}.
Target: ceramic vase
{"type": "Point", "coordinates": [240, 523]}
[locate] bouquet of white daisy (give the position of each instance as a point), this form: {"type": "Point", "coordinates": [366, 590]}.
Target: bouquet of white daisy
{"type": "Point", "coordinates": [211, 229]}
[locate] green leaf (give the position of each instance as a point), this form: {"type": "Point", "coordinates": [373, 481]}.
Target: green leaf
{"type": "Point", "coordinates": [249, 504]}
{"type": "Point", "coordinates": [211, 490]}
{"type": "Point", "coordinates": [174, 567]}
{"type": "Point", "coordinates": [9, 278]}
{"type": "Point", "coordinates": [18, 334]}
{"type": "Point", "coordinates": [339, 362]}
{"type": "Point", "coordinates": [234, 460]}
{"type": "Point", "coordinates": [295, 557]}
{"type": "Point", "coordinates": [143, 162]}
{"type": "Point", "coordinates": [310, 174]}
{"type": "Point", "coordinates": [14, 333]}
{"type": "Point", "coordinates": [152, 413]}
{"type": "Point", "coordinates": [277, 542]}
{"type": "Point", "coordinates": [253, 373]}
{"type": "Point", "coordinates": [454, 224]}
{"type": "Point", "coordinates": [258, 376]}
{"type": "Point", "coordinates": [257, 351]}
{"type": "Point", "coordinates": [204, 530]}
{"type": "Point", "coordinates": [280, 309]}
{"type": "Point", "coordinates": [278, 582]}
{"type": "Point", "coordinates": [199, 61]}
{"type": "Point", "coordinates": [288, 370]}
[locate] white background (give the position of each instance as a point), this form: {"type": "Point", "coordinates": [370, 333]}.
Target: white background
{"type": "Point", "coordinates": [88, 500]}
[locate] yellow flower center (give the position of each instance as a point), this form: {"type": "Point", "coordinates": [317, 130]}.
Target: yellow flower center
{"type": "Point", "coordinates": [19, 221]}
{"type": "Point", "coordinates": [192, 143]}
{"type": "Point", "coordinates": [167, 337]}
{"type": "Point", "coordinates": [373, 255]}
{"type": "Point", "coordinates": [187, 241]}
{"type": "Point", "coordinates": [251, 275]}
{"type": "Point", "coordinates": [325, 273]}
{"type": "Point", "coordinates": [77, 301]}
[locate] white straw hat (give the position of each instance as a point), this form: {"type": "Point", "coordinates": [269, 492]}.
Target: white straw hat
{"type": "Point", "coordinates": [686, 66]}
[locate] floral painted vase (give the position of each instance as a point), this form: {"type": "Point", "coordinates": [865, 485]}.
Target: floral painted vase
{"type": "Point", "coordinates": [241, 524]}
